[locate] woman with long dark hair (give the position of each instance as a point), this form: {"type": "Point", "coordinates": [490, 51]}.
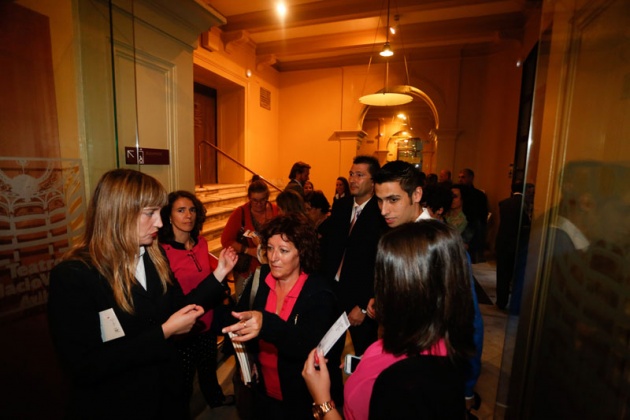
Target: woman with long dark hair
{"type": "Point", "coordinates": [424, 306]}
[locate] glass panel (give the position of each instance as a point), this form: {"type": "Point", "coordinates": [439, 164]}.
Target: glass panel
{"type": "Point", "coordinates": [571, 340]}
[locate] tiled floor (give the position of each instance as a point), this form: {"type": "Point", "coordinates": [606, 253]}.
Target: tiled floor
{"type": "Point", "coordinates": [494, 330]}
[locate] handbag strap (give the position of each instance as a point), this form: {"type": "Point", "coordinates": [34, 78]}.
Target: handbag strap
{"type": "Point", "coordinates": [254, 291]}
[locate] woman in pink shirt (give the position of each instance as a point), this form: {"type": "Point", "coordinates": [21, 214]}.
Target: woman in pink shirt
{"type": "Point", "coordinates": [424, 305]}
{"type": "Point", "coordinates": [292, 310]}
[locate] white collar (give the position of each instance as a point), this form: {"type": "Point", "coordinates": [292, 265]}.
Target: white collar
{"type": "Point", "coordinates": [141, 275]}
{"type": "Point", "coordinates": [580, 242]}
{"type": "Point", "coordinates": [425, 215]}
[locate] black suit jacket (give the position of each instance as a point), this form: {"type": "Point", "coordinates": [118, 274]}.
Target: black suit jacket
{"type": "Point", "coordinates": [294, 185]}
{"type": "Point", "coordinates": [136, 376]}
{"type": "Point", "coordinates": [358, 250]}
{"type": "Point", "coordinates": [314, 312]}
{"type": "Point", "coordinates": [511, 212]}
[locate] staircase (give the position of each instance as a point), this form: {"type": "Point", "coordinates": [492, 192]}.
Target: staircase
{"type": "Point", "coordinates": [220, 200]}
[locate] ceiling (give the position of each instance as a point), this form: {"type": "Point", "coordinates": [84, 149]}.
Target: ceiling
{"type": "Point", "coordinates": [333, 33]}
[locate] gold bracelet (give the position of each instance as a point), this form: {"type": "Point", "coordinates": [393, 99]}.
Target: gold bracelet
{"type": "Point", "coordinates": [319, 411]}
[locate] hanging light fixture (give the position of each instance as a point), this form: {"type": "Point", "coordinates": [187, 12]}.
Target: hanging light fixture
{"type": "Point", "coordinates": [384, 97]}
{"type": "Point", "coordinates": [387, 50]}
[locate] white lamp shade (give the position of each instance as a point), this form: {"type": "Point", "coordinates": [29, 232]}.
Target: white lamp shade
{"type": "Point", "coordinates": [385, 99]}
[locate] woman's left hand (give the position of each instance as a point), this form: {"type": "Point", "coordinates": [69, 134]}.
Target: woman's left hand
{"type": "Point", "coordinates": [227, 260]}
{"type": "Point", "coordinates": [316, 376]}
{"type": "Point", "coordinates": [248, 327]}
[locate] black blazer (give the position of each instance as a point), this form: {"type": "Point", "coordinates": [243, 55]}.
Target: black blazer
{"type": "Point", "coordinates": [511, 212]}
{"type": "Point", "coordinates": [314, 312]}
{"type": "Point", "coordinates": [356, 281]}
{"type": "Point", "coordinates": [419, 387]}
{"type": "Point", "coordinates": [136, 376]}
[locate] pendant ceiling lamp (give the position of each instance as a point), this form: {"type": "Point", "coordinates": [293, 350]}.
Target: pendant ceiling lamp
{"type": "Point", "coordinates": [385, 97]}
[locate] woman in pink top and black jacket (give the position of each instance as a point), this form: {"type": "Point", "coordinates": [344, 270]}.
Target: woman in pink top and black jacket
{"type": "Point", "coordinates": [188, 257]}
{"type": "Point", "coordinates": [292, 311]}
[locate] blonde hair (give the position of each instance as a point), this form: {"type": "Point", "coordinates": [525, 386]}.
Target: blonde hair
{"type": "Point", "coordinates": [110, 242]}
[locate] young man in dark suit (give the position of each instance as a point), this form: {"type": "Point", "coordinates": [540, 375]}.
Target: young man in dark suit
{"type": "Point", "coordinates": [349, 249]}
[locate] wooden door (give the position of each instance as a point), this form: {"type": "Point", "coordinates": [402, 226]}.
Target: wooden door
{"type": "Point", "coordinates": [205, 132]}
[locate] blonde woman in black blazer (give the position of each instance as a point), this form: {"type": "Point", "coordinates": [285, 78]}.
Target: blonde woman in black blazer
{"type": "Point", "coordinates": [114, 306]}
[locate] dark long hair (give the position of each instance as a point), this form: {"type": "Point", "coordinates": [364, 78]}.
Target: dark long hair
{"type": "Point", "coordinates": [165, 234]}
{"type": "Point", "coordinates": [296, 228]}
{"type": "Point", "coordinates": [346, 186]}
{"type": "Point", "coordinates": [423, 291]}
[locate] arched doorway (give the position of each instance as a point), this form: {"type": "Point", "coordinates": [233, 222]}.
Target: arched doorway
{"type": "Point", "coordinates": [406, 132]}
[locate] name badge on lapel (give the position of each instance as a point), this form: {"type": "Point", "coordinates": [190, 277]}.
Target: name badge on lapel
{"type": "Point", "coordinates": [110, 326]}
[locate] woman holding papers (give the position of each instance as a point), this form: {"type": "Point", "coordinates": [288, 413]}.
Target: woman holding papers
{"type": "Point", "coordinates": [113, 305]}
{"type": "Point", "coordinates": [424, 305]}
{"type": "Point", "coordinates": [292, 311]}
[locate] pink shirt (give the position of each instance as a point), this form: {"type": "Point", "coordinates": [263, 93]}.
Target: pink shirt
{"type": "Point", "coordinates": [358, 388]}
{"type": "Point", "coordinates": [268, 355]}
{"type": "Point", "coordinates": [191, 268]}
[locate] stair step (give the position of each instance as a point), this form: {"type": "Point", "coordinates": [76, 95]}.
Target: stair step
{"type": "Point", "coordinates": [214, 246]}
{"type": "Point", "coordinates": [209, 189]}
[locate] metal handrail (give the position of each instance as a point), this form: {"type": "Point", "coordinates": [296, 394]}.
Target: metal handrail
{"type": "Point", "coordinates": [205, 142]}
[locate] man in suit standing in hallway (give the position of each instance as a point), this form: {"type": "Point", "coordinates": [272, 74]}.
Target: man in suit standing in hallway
{"type": "Point", "coordinates": [349, 250]}
{"type": "Point", "coordinates": [510, 238]}
{"type": "Point", "coordinates": [476, 211]}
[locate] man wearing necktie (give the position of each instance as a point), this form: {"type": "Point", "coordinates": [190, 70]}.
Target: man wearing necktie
{"type": "Point", "coordinates": [349, 250]}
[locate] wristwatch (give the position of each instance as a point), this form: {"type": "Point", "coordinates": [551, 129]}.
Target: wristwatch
{"type": "Point", "coordinates": [319, 411]}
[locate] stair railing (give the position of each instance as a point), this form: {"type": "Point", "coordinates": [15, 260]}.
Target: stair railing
{"type": "Point", "coordinates": [207, 143]}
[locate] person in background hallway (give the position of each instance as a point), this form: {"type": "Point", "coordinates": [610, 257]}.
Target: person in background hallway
{"type": "Point", "coordinates": [349, 248]}
{"type": "Point", "coordinates": [308, 187]}
{"type": "Point", "coordinates": [512, 237]}
{"type": "Point", "coordinates": [437, 200]}
{"type": "Point", "coordinates": [188, 257]}
{"type": "Point", "coordinates": [432, 179]}
{"type": "Point", "coordinates": [290, 201]}
{"type": "Point", "coordinates": [114, 307]}
{"type": "Point", "coordinates": [476, 211]}
{"type": "Point", "coordinates": [318, 210]}
{"type": "Point", "coordinates": [250, 216]}
{"type": "Point", "coordinates": [342, 188]}
{"type": "Point", "coordinates": [456, 217]}
{"type": "Point", "coordinates": [317, 207]}
{"type": "Point", "coordinates": [299, 174]}
{"type": "Point", "coordinates": [444, 178]}
{"type": "Point", "coordinates": [398, 191]}
{"type": "Point", "coordinates": [424, 305]}
{"type": "Point", "coordinates": [292, 310]}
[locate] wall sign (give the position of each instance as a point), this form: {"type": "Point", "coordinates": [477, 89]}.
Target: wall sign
{"type": "Point", "coordinates": [146, 156]}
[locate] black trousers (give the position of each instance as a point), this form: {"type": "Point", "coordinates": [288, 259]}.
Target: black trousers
{"type": "Point", "coordinates": [198, 353]}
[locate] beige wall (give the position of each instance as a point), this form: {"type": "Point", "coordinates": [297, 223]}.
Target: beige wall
{"type": "Point", "coordinates": [476, 100]}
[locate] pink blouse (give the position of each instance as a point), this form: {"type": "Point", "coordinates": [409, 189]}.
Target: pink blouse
{"type": "Point", "coordinates": [358, 388]}
{"type": "Point", "coordinates": [268, 356]}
